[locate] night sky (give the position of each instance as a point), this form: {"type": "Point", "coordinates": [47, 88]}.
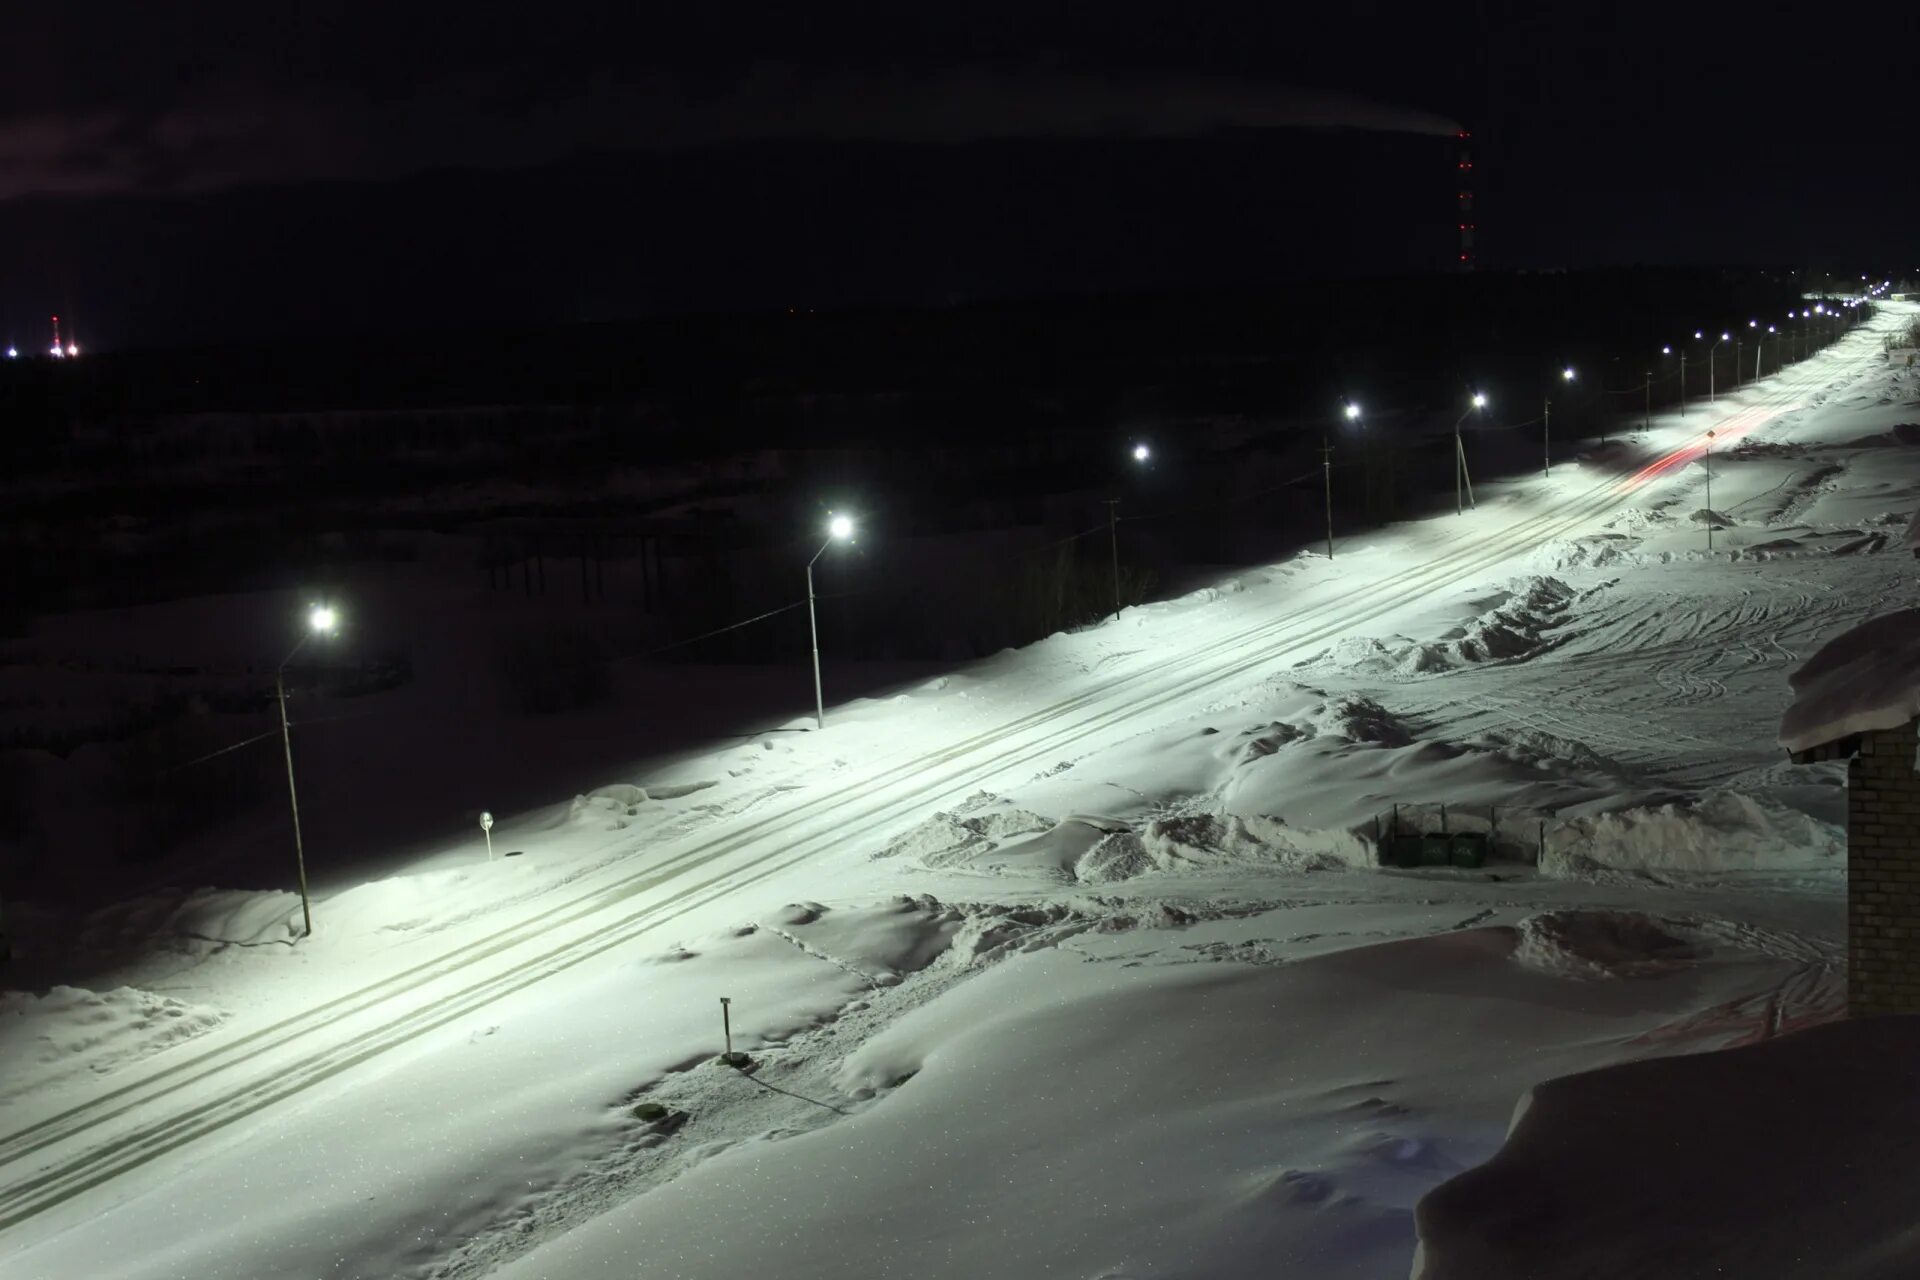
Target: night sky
{"type": "Point", "coordinates": [176, 173]}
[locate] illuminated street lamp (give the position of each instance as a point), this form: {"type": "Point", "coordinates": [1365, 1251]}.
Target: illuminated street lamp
{"type": "Point", "coordinates": [321, 621]}
{"type": "Point", "coordinates": [1141, 453]}
{"type": "Point", "coordinates": [1478, 401]}
{"type": "Point", "coordinates": [839, 529]}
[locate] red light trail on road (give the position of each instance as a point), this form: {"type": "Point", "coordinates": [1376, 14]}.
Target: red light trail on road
{"type": "Point", "coordinates": [1733, 428]}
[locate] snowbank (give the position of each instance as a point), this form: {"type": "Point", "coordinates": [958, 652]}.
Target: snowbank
{"type": "Point", "coordinates": [1791, 1158]}
{"type": "Point", "coordinates": [1864, 679]}
{"type": "Point", "coordinates": [1718, 832]}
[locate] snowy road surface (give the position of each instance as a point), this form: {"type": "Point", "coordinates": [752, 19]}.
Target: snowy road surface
{"type": "Point", "coordinates": [1643, 668]}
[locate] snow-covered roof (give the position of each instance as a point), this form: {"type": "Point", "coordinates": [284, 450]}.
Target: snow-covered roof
{"type": "Point", "coordinates": [1864, 679]}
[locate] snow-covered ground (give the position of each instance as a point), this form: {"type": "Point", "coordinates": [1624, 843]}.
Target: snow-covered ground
{"type": "Point", "coordinates": [1074, 961]}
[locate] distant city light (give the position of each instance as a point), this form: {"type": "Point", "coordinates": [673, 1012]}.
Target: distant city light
{"type": "Point", "coordinates": [1666, 351]}
{"type": "Point", "coordinates": [13, 353]}
{"type": "Point", "coordinates": [73, 348]}
{"type": "Point", "coordinates": [58, 352]}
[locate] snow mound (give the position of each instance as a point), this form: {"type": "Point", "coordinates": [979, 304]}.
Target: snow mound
{"type": "Point", "coordinates": [1717, 832]}
{"type": "Point", "coordinates": [220, 917]}
{"type": "Point", "coordinates": [1205, 841]}
{"type": "Point", "coordinates": [947, 839]}
{"type": "Point", "coordinates": [1599, 551]}
{"type": "Point", "coordinates": [1702, 1177]}
{"type": "Point", "coordinates": [71, 1032]}
{"type": "Point", "coordinates": [1538, 748]}
{"type": "Point", "coordinates": [1358, 718]}
{"type": "Point", "coordinates": [1599, 944]}
{"type": "Point", "coordinates": [1865, 679]}
{"type": "Point", "coordinates": [611, 804]}
{"type": "Point", "coordinates": [1512, 624]}
{"type": "Point", "coordinates": [1639, 520]}
{"type": "Point", "coordinates": [1718, 519]}
{"type": "Point", "coordinates": [880, 943]}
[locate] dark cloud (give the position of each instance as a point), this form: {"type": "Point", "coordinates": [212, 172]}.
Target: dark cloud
{"type": "Point", "coordinates": [236, 136]}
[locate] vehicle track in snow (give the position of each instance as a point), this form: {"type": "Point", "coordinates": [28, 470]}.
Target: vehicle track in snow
{"type": "Point", "coordinates": [180, 1102]}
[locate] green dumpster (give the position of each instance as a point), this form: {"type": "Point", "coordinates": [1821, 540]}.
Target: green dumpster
{"type": "Point", "coordinates": [1469, 849]}
{"type": "Point", "coordinates": [1436, 849]}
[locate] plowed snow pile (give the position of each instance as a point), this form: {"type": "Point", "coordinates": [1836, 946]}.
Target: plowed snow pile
{"type": "Point", "coordinates": [1718, 832]}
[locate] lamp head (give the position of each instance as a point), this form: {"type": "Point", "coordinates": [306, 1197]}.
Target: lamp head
{"type": "Point", "coordinates": [321, 618]}
{"type": "Point", "coordinates": [1566, 374]}
{"type": "Point", "coordinates": [840, 527]}
{"type": "Point", "coordinates": [1479, 400]}
{"type": "Point", "coordinates": [1141, 453]}
{"type": "Point", "coordinates": [1352, 411]}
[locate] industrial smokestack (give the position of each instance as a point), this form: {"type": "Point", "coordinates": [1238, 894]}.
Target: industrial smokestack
{"type": "Point", "coordinates": [1463, 186]}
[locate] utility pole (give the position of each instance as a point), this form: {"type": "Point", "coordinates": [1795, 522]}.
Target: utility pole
{"type": "Point", "coordinates": [1647, 422]}
{"type": "Point", "coordinates": [1113, 537]}
{"type": "Point", "coordinates": [1326, 473]}
{"type": "Point", "coordinates": [293, 800]}
{"type": "Point", "coordinates": [1683, 382]}
{"type": "Point", "coordinates": [1546, 436]}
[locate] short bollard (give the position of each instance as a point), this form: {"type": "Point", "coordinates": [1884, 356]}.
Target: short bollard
{"type": "Point", "coordinates": [731, 1058]}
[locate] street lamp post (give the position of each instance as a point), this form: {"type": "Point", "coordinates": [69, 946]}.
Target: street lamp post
{"type": "Point", "coordinates": [1546, 426]}
{"type": "Point", "coordinates": [1709, 466]}
{"type": "Point", "coordinates": [320, 621]}
{"type": "Point", "coordinates": [838, 528]}
{"type": "Point", "coordinates": [1352, 412]}
{"type": "Point", "coordinates": [1711, 396]}
{"type": "Point", "coordinates": [1479, 401]}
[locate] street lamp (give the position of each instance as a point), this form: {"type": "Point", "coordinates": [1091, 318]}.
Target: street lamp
{"type": "Point", "coordinates": [1478, 401]}
{"type": "Point", "coordinates": [839, 528]}
{"type": "Point", "coordinates": [321, 620]}
{"type": "Point", "coordinates": [1351, 411]}
{"type": "Point", "coordinates": [1141, 453]}
{"type": "Point", "coordinates": [1710, 350]}
{"type": "Point", "coordinates": [1546, 426]}
{"type": "Point", "coordinates": [1709, 466]}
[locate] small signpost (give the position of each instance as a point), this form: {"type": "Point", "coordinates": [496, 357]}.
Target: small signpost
{"type": "Point", "coordinates": [486, 829]}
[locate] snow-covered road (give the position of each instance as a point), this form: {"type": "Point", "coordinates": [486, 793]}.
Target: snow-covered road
{"type": "Point", "coordinates": [99, 1145]}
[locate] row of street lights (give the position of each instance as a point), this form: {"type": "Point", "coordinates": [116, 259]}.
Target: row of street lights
{"type": "Point", "coordinates": [323, 620]}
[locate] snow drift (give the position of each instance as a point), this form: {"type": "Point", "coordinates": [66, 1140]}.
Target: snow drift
{"type": "Point", "coordinates": [1787, 1160]}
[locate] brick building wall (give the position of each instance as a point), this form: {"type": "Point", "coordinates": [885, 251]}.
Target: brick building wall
{"type": "Point", "coordinates": [1883, 873]}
